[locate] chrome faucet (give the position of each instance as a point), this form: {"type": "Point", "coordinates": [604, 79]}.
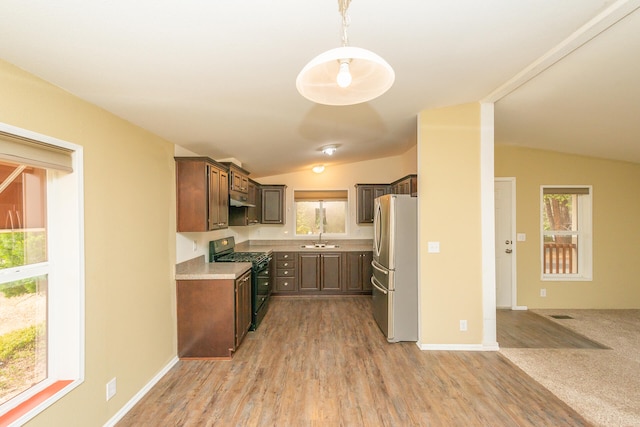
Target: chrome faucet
{"type": "Point", "coordinates": [320, 238]}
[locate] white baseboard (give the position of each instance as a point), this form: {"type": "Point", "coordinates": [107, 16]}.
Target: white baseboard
{"type": "Point", "coordinates": [519, 307]}
{"type": "Point", "coordinates": [139, 395]}
{"type": "Point", "coordinates": [459, 347]}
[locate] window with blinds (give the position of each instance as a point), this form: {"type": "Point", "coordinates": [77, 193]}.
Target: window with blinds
{"type": "Point", "coordinates": [321, 211]}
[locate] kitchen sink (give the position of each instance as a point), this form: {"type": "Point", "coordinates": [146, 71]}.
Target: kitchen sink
{"type": "Point", "coordinates": [319, 246]}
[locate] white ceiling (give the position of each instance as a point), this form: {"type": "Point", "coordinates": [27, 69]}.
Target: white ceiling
{"type": "Point", "coordinates": [218, 77]}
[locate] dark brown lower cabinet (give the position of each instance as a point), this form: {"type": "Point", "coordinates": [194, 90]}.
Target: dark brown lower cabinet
{"type": "Point", "coordinates": [331, 272]}
{"type": "Point", "coordinates": [286, 272]}
{"type": "Point", "coordinates": [213, 316]}
{"type": "Point", "coordinates": [308, 272]}
{"type": "Point", "coordinates": [320, 272]}
{"type": "Point", "coordinates": [359, 271]}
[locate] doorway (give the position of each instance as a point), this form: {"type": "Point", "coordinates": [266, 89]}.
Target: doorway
{"type": "Point", "coordinates": [505, 210]}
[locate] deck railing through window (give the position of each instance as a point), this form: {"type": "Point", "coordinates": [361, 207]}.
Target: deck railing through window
{"type": "Point", "coordinates": [560, 258]}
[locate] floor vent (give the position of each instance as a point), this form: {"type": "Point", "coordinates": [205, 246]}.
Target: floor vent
{"type": "Point", "coordinates": [561, 316]}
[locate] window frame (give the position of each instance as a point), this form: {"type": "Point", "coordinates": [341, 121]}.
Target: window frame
{"type": "Point", "coordinates": [584, 232]}
{"type": "Point", "coordinates": [346, 212]}
{"type": "Point", "coordinates": [66, 283]}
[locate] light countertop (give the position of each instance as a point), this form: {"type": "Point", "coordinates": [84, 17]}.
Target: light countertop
{"type": "Point", "coordinates": [198, 269]}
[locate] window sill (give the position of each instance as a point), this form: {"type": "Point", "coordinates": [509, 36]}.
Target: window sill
{"type": "Point", "coordinates": [575, 278]}
{"type": "Point", "coordinates": [53, 393]}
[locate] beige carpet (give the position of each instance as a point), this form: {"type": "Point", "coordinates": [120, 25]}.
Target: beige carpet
{"type": "Point", "coordinates": [602, 385]}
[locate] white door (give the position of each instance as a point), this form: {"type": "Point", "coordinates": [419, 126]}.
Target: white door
{"type": "Point", "coordinates": [505, 247]}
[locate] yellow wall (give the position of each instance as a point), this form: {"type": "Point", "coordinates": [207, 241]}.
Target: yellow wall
{"type": "Point", "coordinates": [129, 191]}
{"type": "Point", "coordinates": [450, 212]}
{"type": "Point", "coordinates": [616, 228]}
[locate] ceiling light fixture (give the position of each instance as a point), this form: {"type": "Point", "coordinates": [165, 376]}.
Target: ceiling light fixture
{"type": "Point", "coordinates": [329, 150]}
{"type": "Point", "coordinates": [345, 75]}
{"type": "Point", "coordinates": [318, 169]}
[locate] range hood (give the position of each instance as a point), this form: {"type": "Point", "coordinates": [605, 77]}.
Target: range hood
{"type": "Point", "coordinates": [239, 199]}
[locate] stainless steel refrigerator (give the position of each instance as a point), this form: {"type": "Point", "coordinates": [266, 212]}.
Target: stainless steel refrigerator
{"type": "Point", "coordinates": [395, 266]}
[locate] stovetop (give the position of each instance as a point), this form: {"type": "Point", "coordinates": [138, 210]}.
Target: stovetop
{"type": "Point", "coordinates": [254, 257]}
{"type": "Point", "coordinates": [223, 250]}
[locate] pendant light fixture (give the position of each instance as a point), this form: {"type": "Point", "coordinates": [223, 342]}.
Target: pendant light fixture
{"type": "Point", "coordinates": [345, 75]}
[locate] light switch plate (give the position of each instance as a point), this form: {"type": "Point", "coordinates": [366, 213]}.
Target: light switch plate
{"type": "Point", "coordinates": [111, 388]}
{"type": "Point", "coordinates": [521, 237]}
{"type": "Point", "coordinates": [433, 247]}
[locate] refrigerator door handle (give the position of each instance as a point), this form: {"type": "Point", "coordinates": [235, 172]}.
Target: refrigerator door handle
{"type": "Point", "coordinates": [375, 284]}
{"type": "Point", "coordinates": [379, 267]}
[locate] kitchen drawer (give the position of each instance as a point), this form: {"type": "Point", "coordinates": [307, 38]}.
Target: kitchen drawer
{"type": "Point", "coordinates": [285, 272]}
{"type": "Point", "coordinates": [286, 284]}
{"type": "Point", "coordinates": [285, 264]}
{"type": "Point", "coordinates": [283, 256]}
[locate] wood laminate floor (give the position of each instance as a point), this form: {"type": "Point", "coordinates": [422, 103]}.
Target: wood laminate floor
{"type": "Point", "coordinates": [324, 362]}
{"type": "Point", "coordinates": [525, 329]}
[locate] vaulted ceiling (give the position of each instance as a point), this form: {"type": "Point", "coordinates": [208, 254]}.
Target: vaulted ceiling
{"type": "Point", "coordinates": [218, 77]}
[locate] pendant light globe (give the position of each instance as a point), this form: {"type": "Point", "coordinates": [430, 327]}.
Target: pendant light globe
{"type": "Point", "coordinates": [371, 76]}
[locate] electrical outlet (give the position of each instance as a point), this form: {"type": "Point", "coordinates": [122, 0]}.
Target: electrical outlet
{"type": "Point", "coordinates": [433, 247]}
{"type": "Point", "coordinates": [111, 388]}
{"type": "Point", "coordinates": [463, 325]}
{"type": "Point", "coordinates": [543, 292]}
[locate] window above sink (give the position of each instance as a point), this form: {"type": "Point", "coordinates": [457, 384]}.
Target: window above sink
{"type": "Point", "coordinates": [321, 211]}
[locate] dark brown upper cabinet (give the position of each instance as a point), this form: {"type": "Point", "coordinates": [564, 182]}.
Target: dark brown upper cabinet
{"type": "Point", "coordinates": [273, 204]}
{"type": "Point", "coordinates": [366, 193]}
{"type": "Point", "coordinates": [202, 194]}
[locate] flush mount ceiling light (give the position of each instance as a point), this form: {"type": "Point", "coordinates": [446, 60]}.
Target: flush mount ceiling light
{"type": "Point", "coordinates": [345, 75]}
{"type": "Point", "coordinates": [329, 150]}
{"type": "Point", "coordinates": [318, 169]}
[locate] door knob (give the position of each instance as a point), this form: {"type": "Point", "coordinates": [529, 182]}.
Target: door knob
{"type": "Point", "coordinates": [508, 251]}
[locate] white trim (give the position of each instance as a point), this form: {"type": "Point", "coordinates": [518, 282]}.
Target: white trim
{"type": "Point", "coordinates": [520, 308]}
{"type": "Point", "coordinates": [608, 17]}
{"type": "Point", "coordinates": [140, 394]}
{"type": "Point", "coordinates": [487, 209]}
{"type": "Point", "coordinates": [458, 347]}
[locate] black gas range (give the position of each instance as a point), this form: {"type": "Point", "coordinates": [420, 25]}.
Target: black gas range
{"type": "Point", "coordinates": [223, 250]}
